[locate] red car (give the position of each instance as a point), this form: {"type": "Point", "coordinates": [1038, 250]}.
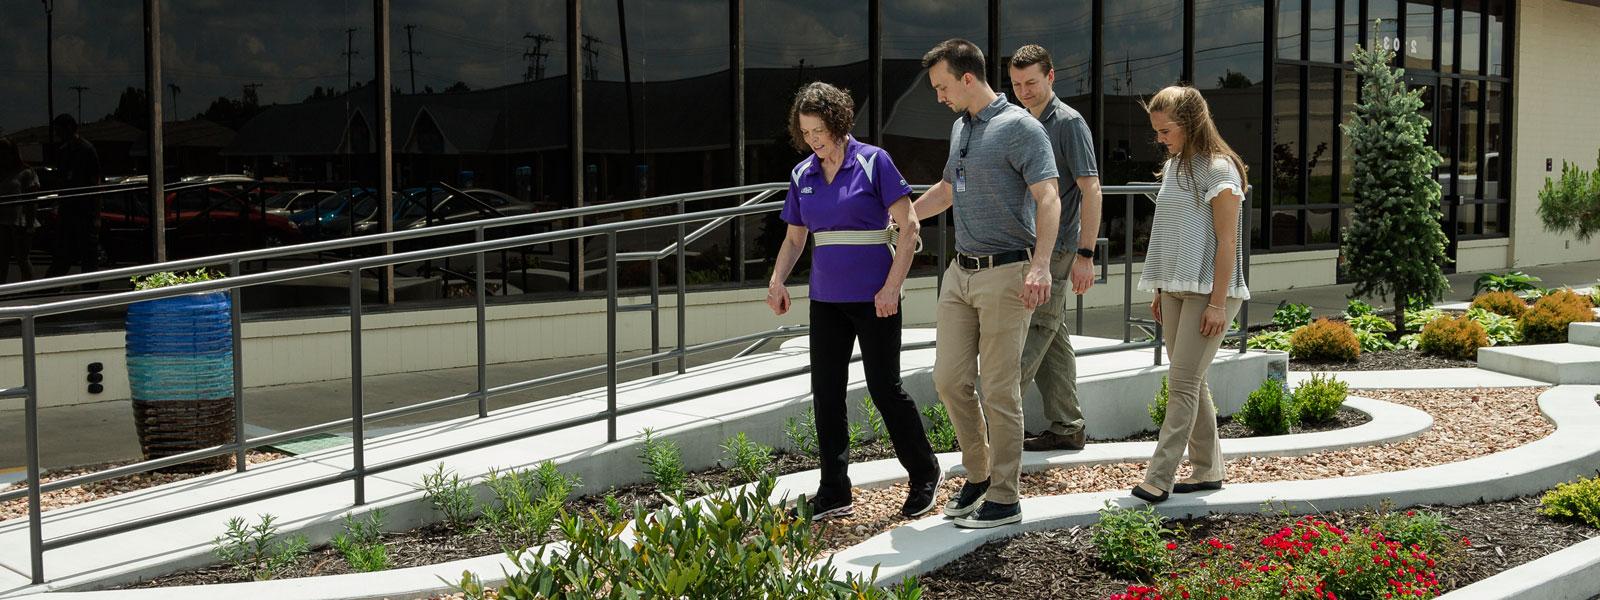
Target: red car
{"type": "Point", "coordinates": [219, 218]}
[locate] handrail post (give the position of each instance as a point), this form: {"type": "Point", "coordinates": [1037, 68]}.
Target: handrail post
{"type": "Point", "coordinates": [1127, 268]}
{"type": "Point", "coordinates": [655, 313]}
{"type": "Point", "coordinates": [357, 413]}
{"type": "Point", "coordinates": [683, 275]}
{"type": "Point", "coordinates": [30, 380]}
{"type": "Point", "coordinates": [611, 337]}
{"type": "Point", "coordinates": [236, 297]}
{"type": "Point", "coordinates": [483, 339]}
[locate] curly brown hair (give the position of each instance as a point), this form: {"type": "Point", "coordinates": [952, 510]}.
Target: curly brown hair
{"type": "Point", "coordinates": [831, 104]}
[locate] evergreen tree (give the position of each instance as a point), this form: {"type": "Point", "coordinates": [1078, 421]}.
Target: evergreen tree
{"type": "Point", "coordinates": [1394, 246]}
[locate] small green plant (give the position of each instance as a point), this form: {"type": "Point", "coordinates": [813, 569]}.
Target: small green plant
{"type": "Point", "coordinates": [361, 544]}
{"type": "Point", "coordinates": [1577, 500]}
{"type": "Point", "coordinates": [941, 434]}
{"type": "Point", "coordinates": [451, 497]}
{"type": "Point", "coordinates": [1271, 340]}
{"type": "Point", "coordinates": [1424, 529]}
{"type": "Point", "coordinates": [527, 504]}
{"type": "Point", "coordinates": [1358, 308]}
{"type": "Point", "coordinates": [663, 462]}
{"type": "Point", "coordinates": [1572, 203]}
{"type": "Point", "coordinates": [169, 279]}
{"type": "Point", "coordinates": [1501, 329]}
{"type": "Point", "coordinates": [255, 550]}
{"type": "Point", "coordinates": [1416, 319]}
{"type": "Point", "coordinates": [748, 460]}
{"type": "Point", "coordinates": [875, 425]}
{"type": "Point", "coordinates": [1290, 316]}
{"type": "Point", "coordinates": [732, 545]}
{"type": "Point", "coordinates": [1325, 340]}
{"type": "Point", "coordinates": [802, 433]}
{"type": "Point", "coordinates": [1269, 410]}
{"type": "Point", "coordinates": [1318, 400]}
{"type": "Point", "coordinates": [1372, 331]}
{"type": "Point", "coordinates": [1129, 541]}
{"type": "Point", "coordinates": [1514, 281]}
{"type": "Point", "coordinates": [1158, 406]}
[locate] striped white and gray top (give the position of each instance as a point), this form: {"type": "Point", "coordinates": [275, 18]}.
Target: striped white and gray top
{"type": "Point", "coordinates": [1183, 243]}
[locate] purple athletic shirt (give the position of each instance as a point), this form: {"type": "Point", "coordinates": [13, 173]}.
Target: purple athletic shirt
{"type": "Point", "coordinates": [858, 199]}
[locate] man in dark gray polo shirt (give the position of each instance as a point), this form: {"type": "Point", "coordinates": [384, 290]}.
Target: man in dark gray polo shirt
{"type": "Point", "coordinates": [1001, 179]}
{"type": "Point", "coordinates": [1047, 357]}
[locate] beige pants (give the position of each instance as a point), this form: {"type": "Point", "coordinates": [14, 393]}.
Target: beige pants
{"type": "Point", "coordinates": [1191, 420]}
{"type": "Point", "coordinates": [981, 326]}
{"type": "Point", "coordinates": [1047, 356]}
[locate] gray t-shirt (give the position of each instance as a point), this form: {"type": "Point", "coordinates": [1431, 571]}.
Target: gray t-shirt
{"type": "Point", "coordinates": [993, 159]}
{"type": "Point", "coordinates": [1074, 152]}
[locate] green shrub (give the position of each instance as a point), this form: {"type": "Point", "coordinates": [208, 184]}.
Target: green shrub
{"type": "Point", "coordinates": [1514, 281]}
{"type": "Point", "coordinates": [1129, 543]}
{"type": "Point", "coordinates": [1271, 340]}
{"type": "Point", "coordinates": [1420, 528]}
{"type": "Point", "coordinates": [802, 433]}
{"type": "Point", "coordinates": [255, 550]}
{"type": "Point", "coordinates": [663, 462]}
{"type": "Point", "coordinates": [731, 545]}
{"type": "Point", "coordinates": [1325, 340]}
{"type": "Point", "coordinates": [1269, 410]}
{"type": "Point", "coordinates": [1572, 203]}
{"type": "Point", "coordinates": [1318, 399]}
{"type": "Point", "coordinates": [1357, 308]}
{"type": "Point", "coordinates": [169, 279]}
{"type": "Point", "coordinates": [748, 460]}
{"type": "Point", "coordinates": [527, 504]}
{"type": "Point", "coordinates": [875, 425]}
{"type": "Point", "coordinates": [1501, 303]}
{"type": "Point", "coordinates": [361, 544]}
{"type": "Point", "coordinates": [1578, 501]}
{"type": "Point", "coordinates": [451, 497]}
{"type": "Point", "coordinates": [1547, 321]}
{"type": "Point", "coordinates": [1290, 316]}
{"type": "Point", "coordinates": [1370, 322]}
{"type": "Point", "coordinates": [1458, 337]}
{"type": "Point", "coordinates": [941, 434]}
{"type": "Point", "coordinates": [1502, 329]}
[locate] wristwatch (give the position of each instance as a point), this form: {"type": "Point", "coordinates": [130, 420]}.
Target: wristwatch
{"type": "Point", "coordinates": [1087, 253]}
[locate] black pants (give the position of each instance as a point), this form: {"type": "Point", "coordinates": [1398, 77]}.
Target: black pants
{"type": "Point", "coordinates": [77, 243]}
{"type": "Point", "coordinates": [15, 242]}
{"type": "Point", "coordinates": [835, 327]}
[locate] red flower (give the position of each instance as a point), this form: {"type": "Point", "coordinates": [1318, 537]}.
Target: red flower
{"type": "Point", "coordinates": [1172, 545]}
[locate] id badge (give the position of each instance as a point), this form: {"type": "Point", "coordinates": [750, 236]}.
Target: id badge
{"type": "Point", "coordinates": [961, 179]}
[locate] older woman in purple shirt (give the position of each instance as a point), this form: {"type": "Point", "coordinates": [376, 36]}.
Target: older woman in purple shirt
{"type": "Point", "coordinates": [845, 194]}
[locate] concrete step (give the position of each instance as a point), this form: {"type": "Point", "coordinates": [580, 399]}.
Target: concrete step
{"type": "Point", "coordinates": [1555, 363]}
{"type": "Point", "coordinates": [1587, 334]}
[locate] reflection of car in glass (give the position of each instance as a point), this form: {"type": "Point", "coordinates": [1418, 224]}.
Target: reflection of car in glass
{"type": "Point", "coordinates": [318, 221]}
{"type": "Point", "coordinates": [290, 202]}
{"type": "Point", "coordinates": [214, 219]}
{"type": "Point", "coordinates": [416, 208]}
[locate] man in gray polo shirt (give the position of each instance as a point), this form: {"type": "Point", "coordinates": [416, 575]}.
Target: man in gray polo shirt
{"type": "Point", "coordinates": [1001, 179]}
{"type": "Point", "coordinates": [1048, 352]}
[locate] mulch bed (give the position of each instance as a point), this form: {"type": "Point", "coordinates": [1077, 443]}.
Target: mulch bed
{"type": "Point", "coordinates": [1228, 429]}
{"type": "Point", "coordinates": [1064, 564]}
{"type": "Point", "coordinates": [1387, 360]}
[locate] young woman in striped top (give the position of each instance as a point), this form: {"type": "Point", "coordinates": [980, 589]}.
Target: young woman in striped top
{"type": "Point", "coordinates": [1195, 241]}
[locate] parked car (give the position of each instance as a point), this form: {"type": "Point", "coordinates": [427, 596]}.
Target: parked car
{"type": "Point", "coordinates": [328, 217]}
{"type": "Point", "coordinates": [290, 202]}
{"type": "Point", "coordinates": [200, 221]}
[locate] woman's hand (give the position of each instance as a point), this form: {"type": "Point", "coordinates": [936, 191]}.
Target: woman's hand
{"type": "Point", "coordinates": [1155, 307]}
{"type": "Point", "coordinates": [887, 301]}
{"type": "Point", "coordinates": [1213, 322]}
{"type": "Point", "coordinates": [778, 298]}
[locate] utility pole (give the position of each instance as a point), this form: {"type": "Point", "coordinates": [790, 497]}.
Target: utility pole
{"type": "Point", "coordinates": [79, 89]}
{"type": "Point", "coordinates": [349, 56]}
{"type": "Point", "coordinates": [50, 73]}
{"type": "Point", "coordinates": [250, 96]}
{"type": "Point", "coordinates": [176, 115]}
{"type": "Point", "coordinates": [411, 57]}
{"type": "Point", "coordinates": [537, 54]}
{"type": "Point", "coordinates": [591, 55]}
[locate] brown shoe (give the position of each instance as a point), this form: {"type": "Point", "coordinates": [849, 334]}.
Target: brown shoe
{"type": "Point", "coordinates": [1050, 440]}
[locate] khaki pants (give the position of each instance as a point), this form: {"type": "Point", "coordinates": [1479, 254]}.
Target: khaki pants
{"type": "Point", "coordinates": [1191, 420]}
{"type": "Point", "coordinates": [981, 318]}
{"type": "Point", "coordinates": [1047, 356]}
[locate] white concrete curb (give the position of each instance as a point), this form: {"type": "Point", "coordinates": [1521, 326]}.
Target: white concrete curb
{"type": "Point", "coordinates": [1571, 451]}
{"type": "Point", "coordinates": [1571, 574]}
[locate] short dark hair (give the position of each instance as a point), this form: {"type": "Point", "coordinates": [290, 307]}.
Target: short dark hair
{"type": "Point", "coordinates": [65, 123]}
{"type": "Point", "coordinates": [1032, 54]}
{"type": "Point", "coordinates": [831, 104]}
{"type": "Point", "coordinates": [960, 56]}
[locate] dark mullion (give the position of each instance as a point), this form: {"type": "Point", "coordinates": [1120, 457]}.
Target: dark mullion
{"type": "Point", "coordinates": [1188, 42]}
{"type": "Point", "coordinates": [994, 43]}
{"type": "Point", "coordinates": [1400, 33]}
{"type": "Point", "coordinates": [875, 69]}
{"type": "Point", "coordinates": [1438, 42]}
{"type": "Point", "coordinates": [1364, 32]}
{"type": "Point", "coordinates": [1508, 43]}
{"type": "Point", "coordinates": [1483, 113]}
{"type": "Point", "coordinates": [1269, 83]}
{"type": "Point", "coordinates": [1338, 118]}
{"type": "Point", "coordinates": [1305, 121]}
{"type": "Point", "coordinates": [1097, 75]}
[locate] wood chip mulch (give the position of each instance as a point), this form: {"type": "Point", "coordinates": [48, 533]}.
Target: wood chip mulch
{"type": "Point", "coordinates": [16, 509]}
{"type": "Point", "coordinates": [1064, 564]}
{"type": "Point", "coordinates": [1386, 360]}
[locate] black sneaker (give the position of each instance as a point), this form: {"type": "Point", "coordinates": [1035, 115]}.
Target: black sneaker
{"type": "Point", "coordinates": [921, 497]}
{"type": "Point", "coordinates": [992, 514]}
{"type": "Point", "coordinates": [966, 501]}
{"type": "Point", "coordinates": [825, 506]}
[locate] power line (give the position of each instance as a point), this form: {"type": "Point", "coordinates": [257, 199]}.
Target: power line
{"type": "Point", "coordinates": [411, 56]}
{"type": "Point", "coordinates": [79, 89]}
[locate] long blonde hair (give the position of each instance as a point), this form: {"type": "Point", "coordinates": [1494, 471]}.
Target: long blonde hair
{"type": "Point", "coordinates": [1189, 111]}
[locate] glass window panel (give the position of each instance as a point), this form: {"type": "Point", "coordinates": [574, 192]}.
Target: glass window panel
{"type": "Point", "coordinates": [1289, 34]}
{"type": "Point", "coordinates": [1351, 28]}
{"type": "Point", "coordinates": [1347, 106]}
{"type": "Point", "coordinates": [1471, 144]}
{"type": "Point", "coordinates": [916, 127]}
{"type": "Point", "coordinates": [1497, 31]}
{"type": "Point", "coordinates": [1447, 135]}
{"type": "Point", "coordinates": [1324, 30]}
{"type": "Point", "coordinates": [1447, 36]}
{"type": "Point", "coordinates": [1494, 144]}
{"type": "Point", "coordinates": [1143, 53]}
{"type": "Point", "coordinates": [1319, 143]}
{"type": "Point", "coordinates": [1227, 62]}
{"type": "Point", "coordinates": [1321, 224]}
{"type": "Point", "coordinates": [1286, 154]}
{"type": "Point", "coordinates": [1494, 219]}
{"type": "Point", "coordinates": [1387, 15]}
{"type": "Point", "coordinates": [1466, 219]}
{"type": "Point", "coordinates": [1286, 228]}
{"type": "Point", "coordinates": [1419, 36]}
{"type": "Point", "coordinates": [1471, 17]}
{"type": "Point", "coordinates": [1066, 31]}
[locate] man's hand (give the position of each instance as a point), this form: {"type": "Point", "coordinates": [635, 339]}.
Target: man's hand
{"type": "Point", "coordinates": [887, 301]}
{"type": "Point", "coordinates": [778, 298]}
{"type": "Point", "coordinates": [1082, 275]}
{"type": "Point", "coordinates": [1036, 286]}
